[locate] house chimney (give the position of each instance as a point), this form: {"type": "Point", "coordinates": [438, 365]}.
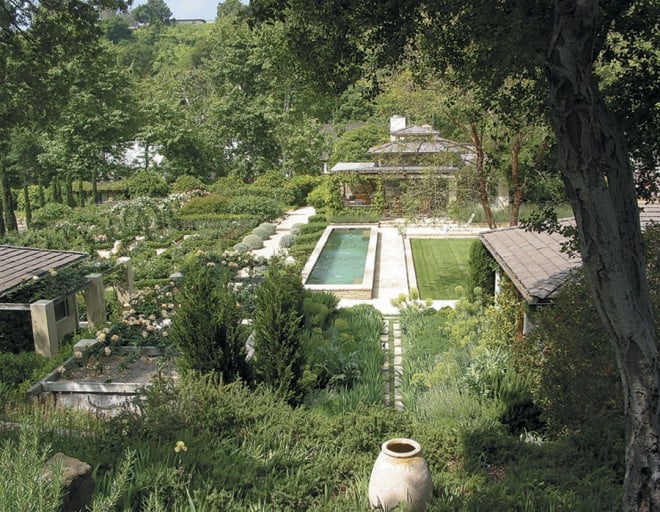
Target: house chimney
{"type": "Point", "coordinates": [396, 123]}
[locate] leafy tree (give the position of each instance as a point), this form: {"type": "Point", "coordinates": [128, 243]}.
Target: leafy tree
{"type": "Point", "coordinates": [117, 28]}
{"type": "Point", "coordinates": [38, 43]}
{"type": "Point", "coordinates": [557, 50]}
{"type": "Point", "coordinates": [353, 145]}
{"type": "Point", "coordinates": [230, 8]}
{"type": "Point", "coordinates": [278, 356]}
{"type": "Point", "coordinates": [153, 12]}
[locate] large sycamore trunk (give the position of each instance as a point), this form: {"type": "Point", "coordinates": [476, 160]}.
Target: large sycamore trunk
{"type": "Point", "coordinates": [599, 182]}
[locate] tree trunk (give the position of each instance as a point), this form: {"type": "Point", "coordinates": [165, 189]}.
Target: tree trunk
{"type": "Point", "coordinates": [41, 195]}
{"type": "Point", "coordinates": [7, 203]}
{"type": "Point", "coordinates": [28, 204]}
{"type": "Point", "coordinates": [482, 178]}
{"type": "Point", "coordinates": [95, 190]}
{"type": "Point", "coordinates": [599, 182]}
{"type": "Point", "coordinates": [517, 186]}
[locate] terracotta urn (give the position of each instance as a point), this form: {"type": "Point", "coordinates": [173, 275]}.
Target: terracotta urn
{"type": "Point", "coordinates": [400, 476]}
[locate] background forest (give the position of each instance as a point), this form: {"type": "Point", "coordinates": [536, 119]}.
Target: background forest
{"type": "Point", "coordinates": [143, 93]}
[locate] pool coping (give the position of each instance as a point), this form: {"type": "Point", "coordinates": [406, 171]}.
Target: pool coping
{"type": "Point", "coordinates": [363, 290]}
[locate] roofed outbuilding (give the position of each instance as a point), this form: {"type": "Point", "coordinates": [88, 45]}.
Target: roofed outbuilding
{"type": "Point", "coordinates": [536, 262]}
{"type": "Point", "coordinates": [51, 318]}
{"type": "Point", "coordinates": [20, 264]}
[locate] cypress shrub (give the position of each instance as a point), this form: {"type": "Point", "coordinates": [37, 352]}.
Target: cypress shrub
{"type": "Point", "coordinates": [279, 360]}
{"type": "Point", "coordinates": [207, 328]}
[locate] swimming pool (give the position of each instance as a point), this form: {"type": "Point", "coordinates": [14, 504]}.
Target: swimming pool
{"type": "Point", "coordinates": [343, 261]}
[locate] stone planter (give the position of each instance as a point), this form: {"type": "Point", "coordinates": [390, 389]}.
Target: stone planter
{"type": "Point", "coordinates": [117, 380]}
{"type": "Point", "coordinates": [400, 476]}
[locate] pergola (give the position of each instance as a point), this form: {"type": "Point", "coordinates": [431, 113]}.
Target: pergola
{"type": "Point", "coordinates": [52, 319]}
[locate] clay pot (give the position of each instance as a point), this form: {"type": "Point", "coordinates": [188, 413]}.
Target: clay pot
{"type": "Point", "coordinates": [400, 476]}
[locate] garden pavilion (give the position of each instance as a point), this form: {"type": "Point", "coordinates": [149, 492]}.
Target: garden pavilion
{"type": "Point", "coordinates": [51, 319]}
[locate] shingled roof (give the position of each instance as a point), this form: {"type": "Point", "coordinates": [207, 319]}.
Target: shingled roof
{"type": "Point", "coordinates": [535, 262]}
{"type": "Point", "coordinates": [18, 264]}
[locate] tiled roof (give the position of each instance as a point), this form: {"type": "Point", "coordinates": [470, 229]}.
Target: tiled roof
{"type": "Point", "coordinates": [535, 262]}
{"type": "Point", "coordinates": [436, 145]}
{"type": "Point", "coordinates": [415, 130]}
{"type": "Point", "coordinates": [17, 264]}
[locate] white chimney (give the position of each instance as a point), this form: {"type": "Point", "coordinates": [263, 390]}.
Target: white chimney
{"type": "Point", "coordinates": [396, 123]}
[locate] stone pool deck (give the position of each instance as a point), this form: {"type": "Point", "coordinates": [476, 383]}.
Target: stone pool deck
{"type": "Point", "coordinates": [394, 272]}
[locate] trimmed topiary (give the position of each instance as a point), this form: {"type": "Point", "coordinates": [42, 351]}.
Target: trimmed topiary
{"type": "Point", "coordinates": [261, 233]}
{"type": "Point", "coordinates": [295, 229]}
{"type": "Point", "coordinates": [253, 241]}
{"type": "Point", "coordinates": [268, 226]}
{"type": "Point", "coordinates": [241, 247]}
{"type": "Point", "coordinates": [287, 240]}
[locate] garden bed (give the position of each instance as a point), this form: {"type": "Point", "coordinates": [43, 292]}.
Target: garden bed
{"type": "Point", "coordinates": [104, 380]}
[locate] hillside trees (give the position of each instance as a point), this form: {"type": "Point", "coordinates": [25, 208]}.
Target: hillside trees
{"type": "Point", "coordinates": [556, 47]}
{"type": "Point", "coordinates": [39, 43]}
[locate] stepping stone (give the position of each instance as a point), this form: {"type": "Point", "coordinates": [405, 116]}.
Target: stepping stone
{"type": "Point", "coordinates": [397, 350]}
{"type": "Point", "coordinates": [398, 360]}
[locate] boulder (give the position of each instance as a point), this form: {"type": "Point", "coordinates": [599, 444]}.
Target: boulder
{"type": "Point", "coordinates": [77, 481]}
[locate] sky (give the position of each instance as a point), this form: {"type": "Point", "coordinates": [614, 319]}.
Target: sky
{"type": "Point", "coordinates": [186, 9]}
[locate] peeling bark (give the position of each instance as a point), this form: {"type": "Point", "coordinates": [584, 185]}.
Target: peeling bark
{"type": "Point", "coordinates": [482, 178]}
{"type": "Point", "coordinates": [517, 186]}
{"type": "Point", "coordinates": [599, 181]}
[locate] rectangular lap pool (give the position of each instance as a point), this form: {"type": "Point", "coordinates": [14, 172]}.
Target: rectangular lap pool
{"type": "Point", "coordinates": [343, 261]}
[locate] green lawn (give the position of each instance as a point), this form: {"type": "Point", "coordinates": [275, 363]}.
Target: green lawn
{"type": "Point", "coordinates": [441, 265]}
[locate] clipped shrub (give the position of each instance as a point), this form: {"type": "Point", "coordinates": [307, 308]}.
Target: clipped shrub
{"type": "Point", "coordinates": [300, 186]}
{"type": "Point", "coordinates": [147, 184]}
{"type": "Point", "coordinates": [261, 207]}
{"type": "Point", "coordinates": [261, 233]}
{"type": "Point", "coordinates": [242, 247]}
{"type": "Point", "coordinates": [17, 368]}
{"type": "Point", "coordinates": [186, 183]}
{"type": "Point", "coordinates": [317, 218]}
{"type": "Point", "coordinates": [295, 229]}
{"type": "Point", "coordinates": [312, 227]}
{"type": "Point", "coordinates": [211, 204]}
{"type": "Point", "coordinates": [227, 185]}
{"type": "Point", "coordinates": [253, 241]}
{"type": "Point", "coordinates": [481, 271]}
{"type": "Point", "coordinates": [270, 180]}
{"type": "Point", "coordinates": [50, 212]}
{"type": "Point", "coordinates": [287, 240]}
{"type": "Point", "coordinates": [269, 226]}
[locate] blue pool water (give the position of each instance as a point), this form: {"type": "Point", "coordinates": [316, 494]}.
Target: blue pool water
{"type": "Point", "coordinates": [343, 258]}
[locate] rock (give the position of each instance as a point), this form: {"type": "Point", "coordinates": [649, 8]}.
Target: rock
{"type": "Point", "coordinates": [77, 481]}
